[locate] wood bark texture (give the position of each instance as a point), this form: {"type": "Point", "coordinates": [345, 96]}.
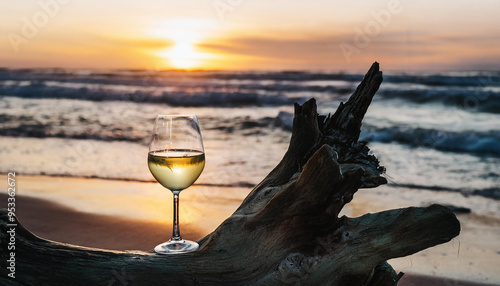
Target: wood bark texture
{"type": "Point", "coordinates": [287, 231]}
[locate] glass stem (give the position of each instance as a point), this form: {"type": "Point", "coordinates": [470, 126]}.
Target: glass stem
{"type": "Point", "coordinates": [176, 234]}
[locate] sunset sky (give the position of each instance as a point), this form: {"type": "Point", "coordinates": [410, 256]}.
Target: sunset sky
{"type": "Point", "coordinates": [251, 34]}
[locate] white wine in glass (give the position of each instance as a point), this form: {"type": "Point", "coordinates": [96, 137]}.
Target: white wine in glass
{"type": "Point", "coordinates": [176, 159]}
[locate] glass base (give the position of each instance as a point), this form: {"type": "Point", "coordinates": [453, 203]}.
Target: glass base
{"type": "Point", "coordinates": [176, 246]}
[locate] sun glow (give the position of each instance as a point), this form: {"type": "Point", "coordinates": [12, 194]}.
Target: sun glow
{"type": "Point", "coordinates": [183, 55]}
{"type": "Point", "coordinates": [185, 35]}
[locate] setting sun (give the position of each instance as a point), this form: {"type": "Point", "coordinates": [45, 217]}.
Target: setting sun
{"type": "Point", "coordinates": [184, 36]}
{"type": "Point", "coordinates": [183, 55]}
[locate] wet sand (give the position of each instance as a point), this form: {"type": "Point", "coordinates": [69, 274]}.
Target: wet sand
{"type": "Point", "coordinates": [60, 223]}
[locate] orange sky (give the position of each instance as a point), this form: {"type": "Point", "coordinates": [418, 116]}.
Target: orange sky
{"type": "Point", "coordinates": [251, 34]}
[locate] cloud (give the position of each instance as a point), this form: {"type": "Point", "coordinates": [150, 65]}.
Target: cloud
{"type": "Point", "coordinates": [397, 49]}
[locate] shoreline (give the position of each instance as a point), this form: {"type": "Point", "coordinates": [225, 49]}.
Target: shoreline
{"type": "Point", "coordinates": [123, 215]}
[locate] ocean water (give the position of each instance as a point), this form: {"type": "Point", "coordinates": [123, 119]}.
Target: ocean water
{"type": "Point", "coordinates": [434, 131]}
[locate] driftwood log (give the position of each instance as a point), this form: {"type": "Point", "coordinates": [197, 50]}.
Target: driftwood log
{"type": "Point", "coordinates": [287, 231]}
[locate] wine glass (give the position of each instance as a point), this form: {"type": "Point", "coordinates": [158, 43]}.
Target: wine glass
{"type": "Point", "coordinates": [176, 159]}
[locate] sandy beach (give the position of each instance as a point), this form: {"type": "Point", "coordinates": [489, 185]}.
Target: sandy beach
{"type": "Point", "coordinates": [125, 215]}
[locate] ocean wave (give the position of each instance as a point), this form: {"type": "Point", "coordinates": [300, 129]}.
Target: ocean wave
{"type": "Point", "coordinates": [479, 143]}
{"type": "Point", "coordinates": [462, 79]}
{"type": "Point", "coordinates": [471, 91]}
{"type": "Point", "coordinates": [140, 77]}
{"type": "Point", "coordinates": [481, 99]}
{"type": "Point", "coordinates": [86, 125]}
{"type": "Point", "coordinates": [76, 123]}
{"type": "Point", "coordinates": [491, 193]}
{"type": "Point", "coordinates": [216, 97]}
